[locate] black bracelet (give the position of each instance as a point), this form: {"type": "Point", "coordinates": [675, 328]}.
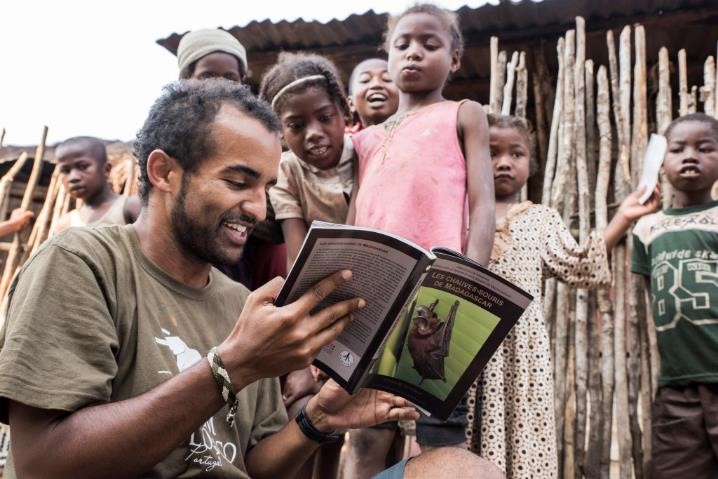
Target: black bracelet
{"type": "Point", "coordinates": [306, 426]}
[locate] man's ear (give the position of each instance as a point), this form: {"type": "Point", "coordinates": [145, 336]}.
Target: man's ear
{"type": "Point", "coordinates": [163, 171]}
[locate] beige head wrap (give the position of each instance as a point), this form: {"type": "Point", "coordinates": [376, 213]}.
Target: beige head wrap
{"type": "Point", "coordinates": [200, 43]}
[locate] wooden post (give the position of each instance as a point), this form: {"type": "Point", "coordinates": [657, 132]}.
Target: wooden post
{"type": "Point", "coordinates": [547, 86]}
{"type": "Point", "coordinates": [509, 86]}
{"type": "Point", "coordinates": [708, 92]}
{"type": "Point", "coordinates": [664, 108]}
{"type": "Point", "coordinates": [2, 136]}
{"type": "Point", "coordinates": [552, 154]}
{"type": "Point", "coordinates": [682, 83]}
{"type": "Point", "coordinates": [640, 107]}
{"type": "Point", "coordinates": [592, 460]}
{"type": "Point", "coordinates": [57, 210]}
{"type": "Point", "coordinates": [561, 200]}
{"type": "Point", "coordinates": [618, 114]}
{"type": "Point", "coordinates": [521, 87]}
{"type": "Point", "coordinates": [130, 183]}
{"type": "Point", "coordinates": [634, 289]}
{"type": "Point", "coordinates": [541, 136]}
{"type": "Point", "coordinates": [494, 100]}
{"type": "Point", "coordinates": [591, 127]}
{"type": "Point", "coordinates": [558, 192]}
{"type": "Point", "coordinates": [693, 100]}
{"type": "Point", "coordinates": [43, 216]}
{"type": "Point", "coordinates": [43, 222]}
{"type": "Point", "coordinates": [8, 178]}
{"type": "Point", "coordinates": [584, 228]}
{"type": "Point", "coordinates": [500, 80]}
{"type": "Point", "coordinates": [15, 252]}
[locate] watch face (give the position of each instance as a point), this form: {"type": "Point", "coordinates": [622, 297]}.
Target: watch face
{"type": "Point", "coordinates": [346, 358]}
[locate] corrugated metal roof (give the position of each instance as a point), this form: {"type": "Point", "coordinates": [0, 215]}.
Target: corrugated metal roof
{"type": "Point", "coordinates": [503, 18]}
{"type": "Point", "coordinates": [525, 25]}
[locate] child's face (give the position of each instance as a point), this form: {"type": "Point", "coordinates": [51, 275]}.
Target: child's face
{"type": "Point", "coordinates": [81, 173]}
{"type": "Point", "coordinates": [313, 127]}
{"type": "Point", "coordinates": [691, 163]}
{"type": "Point", "coordinates": [374, 95]}
{"type": "Point", "coordinates": [420, 54]}
{"type": "Point", "coordinates": [217, 65]}
{"type": "Point", "coordinates": [510, 159]}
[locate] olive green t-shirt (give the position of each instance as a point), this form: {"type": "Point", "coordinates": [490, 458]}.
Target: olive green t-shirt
{"type": "Point", "coordinates": [678, 250]}
{"type": "Point", "coordinates": [92, 320]}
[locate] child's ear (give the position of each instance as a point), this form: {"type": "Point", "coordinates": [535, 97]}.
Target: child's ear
{"type": "Point", "coordinates": [107, 169]}
{"type": "Point", "coordinates": [455, 61]}
{"type": "Point", "coordinates": [350, 102]}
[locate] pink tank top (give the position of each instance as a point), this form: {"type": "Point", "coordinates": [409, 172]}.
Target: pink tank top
{"type": "Point", "coordinates": [412, 177]}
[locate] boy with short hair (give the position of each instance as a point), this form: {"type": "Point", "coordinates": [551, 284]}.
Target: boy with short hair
{"type": "Point", "coordinates": [83, 171]}
{"type": "Point", "coordinates": [373, 96]}
{"type": "Point", "coordinates": [677, 250]}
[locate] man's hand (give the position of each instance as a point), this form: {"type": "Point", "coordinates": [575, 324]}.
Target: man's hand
{"type": "Point", "coordinates": [333, 409]}
{"type": "Point", "coordinates": [269, 341]}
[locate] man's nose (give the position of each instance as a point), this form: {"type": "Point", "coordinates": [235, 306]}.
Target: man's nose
{"type": "Point", "coordinates": [256, 206]}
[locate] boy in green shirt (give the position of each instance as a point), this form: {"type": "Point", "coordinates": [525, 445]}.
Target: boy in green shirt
{"type": "Point", "coordinates": [677, 250]}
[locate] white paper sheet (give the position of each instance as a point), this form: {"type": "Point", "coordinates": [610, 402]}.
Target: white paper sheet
{"type": "Point", "coordinates": [652, 161]}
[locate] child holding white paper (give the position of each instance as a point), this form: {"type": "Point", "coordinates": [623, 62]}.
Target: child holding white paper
{"type": "Point", "coordinates": [676, 250]}
{"type": "Point", "coordinates": [514, 425]}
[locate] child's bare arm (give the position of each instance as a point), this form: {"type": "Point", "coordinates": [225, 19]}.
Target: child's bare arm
{"type": "Point", "coordinates": [629, 211]}
{"type": "Point", "coordinates": [474, 131]}
{"type": "Point", "coordinates": [294, 230]}
{"type": "Point", "coordinates": [18, 219]}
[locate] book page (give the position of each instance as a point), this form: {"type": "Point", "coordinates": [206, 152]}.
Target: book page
{"type": "Point", "coordinates": [445, 335]}
{"type": "Point", "coordinates": [379, 274]}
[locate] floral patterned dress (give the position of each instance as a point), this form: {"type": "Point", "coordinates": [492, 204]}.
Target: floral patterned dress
{"type": "Point", "coordinates": [514, 426]}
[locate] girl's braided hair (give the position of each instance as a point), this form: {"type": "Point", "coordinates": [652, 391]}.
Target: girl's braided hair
{"type": "Point", "coordinates": [293, 66]}
{"type": "Point", "coordinates": [448, 18]}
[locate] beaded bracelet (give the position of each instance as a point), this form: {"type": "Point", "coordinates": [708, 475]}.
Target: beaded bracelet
{"type": "Point", "coordinates": [221, 377]}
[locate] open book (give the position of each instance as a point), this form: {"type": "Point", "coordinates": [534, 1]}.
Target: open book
{"type": "Point", "coordinates": [432, 321]}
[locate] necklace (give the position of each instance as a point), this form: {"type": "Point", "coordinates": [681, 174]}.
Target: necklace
{"type": "Point", "coordinates": [390, 127]}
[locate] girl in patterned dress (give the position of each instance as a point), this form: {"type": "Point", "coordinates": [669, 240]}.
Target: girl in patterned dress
{"type": "Point", "coordinates": [512, 422]}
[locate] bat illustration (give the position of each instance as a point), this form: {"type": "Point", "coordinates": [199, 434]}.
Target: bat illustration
{"type": "Point", "coordinates": [429, 340]}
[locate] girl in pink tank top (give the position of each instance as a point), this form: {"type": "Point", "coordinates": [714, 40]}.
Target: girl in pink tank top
{"type": "Point", "coordinates": [425, 173]}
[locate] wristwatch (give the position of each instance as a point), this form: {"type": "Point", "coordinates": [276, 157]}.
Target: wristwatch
{"type": "Point", "coordinates": [306, 426]}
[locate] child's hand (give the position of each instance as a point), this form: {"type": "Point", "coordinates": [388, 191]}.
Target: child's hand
{"type": "Point", "coordinates": [19, 218]}
{"type": "Point", "coordinates": [631, 209]}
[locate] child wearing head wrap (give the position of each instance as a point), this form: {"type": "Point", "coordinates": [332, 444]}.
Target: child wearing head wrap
{"type": "Point", "coordinates": [211, 53]}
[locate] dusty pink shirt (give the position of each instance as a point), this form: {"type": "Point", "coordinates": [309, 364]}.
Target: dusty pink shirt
{"type": "Point", "coordinates": [412, 177]}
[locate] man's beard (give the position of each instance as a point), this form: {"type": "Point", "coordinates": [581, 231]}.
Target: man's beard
{"type": "Point", "coordinates": [199, 240]}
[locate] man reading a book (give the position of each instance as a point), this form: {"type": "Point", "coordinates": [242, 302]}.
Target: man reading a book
{"type": "Point", "coordinates": [125, 354]}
